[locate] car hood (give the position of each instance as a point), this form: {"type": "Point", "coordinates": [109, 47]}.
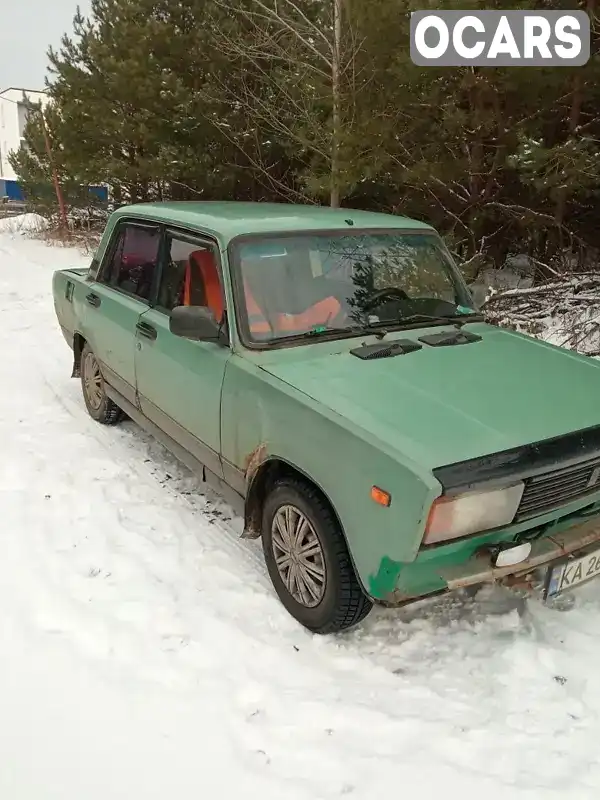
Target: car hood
{"type": "Point", "coordinates": [441, 405]}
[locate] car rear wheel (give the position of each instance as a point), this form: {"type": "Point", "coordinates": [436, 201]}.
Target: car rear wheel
{"type": "Point", "coordinates": [100, 407]}
{"type": "Point", "coordinates": [308, 560]}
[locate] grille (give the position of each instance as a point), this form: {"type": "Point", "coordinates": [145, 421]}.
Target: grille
{"type": "Point", "coordinates": [380, 352]}
{"type": "Point", "coordinates": [398, 348]}
{"type": "Point", "coordinates": [545, 492]}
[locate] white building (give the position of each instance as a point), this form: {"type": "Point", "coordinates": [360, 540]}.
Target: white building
{"type": "Point", "coordinates": [13, 116]}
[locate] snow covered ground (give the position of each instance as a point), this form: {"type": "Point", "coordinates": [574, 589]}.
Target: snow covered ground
{"type": "Point", "coordinates": [143, 654]}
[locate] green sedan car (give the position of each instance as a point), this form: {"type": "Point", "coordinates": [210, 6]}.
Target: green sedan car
{"type": "Point", "coordinates": [327, 372]}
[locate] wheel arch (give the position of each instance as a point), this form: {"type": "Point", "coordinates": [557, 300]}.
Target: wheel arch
{"type": "Point", "coordinates": [79, 342]}
{"type": "Point", "coordinates": [269, 471]}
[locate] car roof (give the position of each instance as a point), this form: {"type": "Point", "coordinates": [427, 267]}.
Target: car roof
{"type": "Point", "coordinates": [227, 219]}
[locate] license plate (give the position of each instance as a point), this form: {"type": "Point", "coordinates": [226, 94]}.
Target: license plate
{"type": "Point", "coordinates": [571, 573]}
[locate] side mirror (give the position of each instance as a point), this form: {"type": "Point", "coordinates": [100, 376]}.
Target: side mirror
{"type": "Point", "coordinates": [197, 323]}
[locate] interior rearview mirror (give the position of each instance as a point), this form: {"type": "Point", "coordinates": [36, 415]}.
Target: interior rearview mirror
{"type": "Point", "coordinates": [197, 323]}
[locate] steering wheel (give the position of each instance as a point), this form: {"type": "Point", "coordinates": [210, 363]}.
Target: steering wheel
{"type": "Point", "coordinates": [375, 298]}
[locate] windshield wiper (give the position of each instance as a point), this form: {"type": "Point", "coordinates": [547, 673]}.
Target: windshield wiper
{"type": "Point", "coordinates": [356, 330]}
{"type": "Point", "coordinates": [455, 319]}
{"type": "Point", "coordinates": [317, 332]}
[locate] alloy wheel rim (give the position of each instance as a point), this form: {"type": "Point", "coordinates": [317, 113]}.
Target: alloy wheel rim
{"type": "Point", "coordinates": [92, 381]}
{"type": "Point", "coordinates": [299, 556]}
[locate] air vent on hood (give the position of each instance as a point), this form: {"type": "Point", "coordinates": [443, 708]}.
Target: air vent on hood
{"type": "Point", "coordinates": [387, 350]}
{"type": "Point", "coordinates": [449, 338]}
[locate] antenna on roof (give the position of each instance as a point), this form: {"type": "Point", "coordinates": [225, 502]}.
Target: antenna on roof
{"type": "Point", "coordinates": [349, 221]}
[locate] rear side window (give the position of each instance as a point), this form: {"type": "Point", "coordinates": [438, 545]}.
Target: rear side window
{"type": "Point", "coordinates": [132, 260]}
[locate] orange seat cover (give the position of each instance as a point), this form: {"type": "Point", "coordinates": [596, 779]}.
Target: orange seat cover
{"type": "Point", "coordinates": [320, 313]}
{"type": "Point", "coordinates": [204, 262]}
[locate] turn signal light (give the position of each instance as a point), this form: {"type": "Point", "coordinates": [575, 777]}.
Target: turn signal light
{"type": "Point", "coordinates": [380, 496]}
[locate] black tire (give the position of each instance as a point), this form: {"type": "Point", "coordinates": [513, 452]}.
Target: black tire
{"type": "Point", "coordinates": [100, 407]}
{"type": "Point", "coordinates": [343, 602]}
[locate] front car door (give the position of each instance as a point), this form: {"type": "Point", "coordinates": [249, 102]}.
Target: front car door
{"type": "Point", "coordinates": [114, 301]}
{"type": "Point", "coordinates": [179, 381]}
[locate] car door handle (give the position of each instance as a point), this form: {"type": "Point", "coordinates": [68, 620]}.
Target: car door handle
{"type": "Point", "coordinates": [93, 299]}
{"type": "Point", "coordinates": [146, 330]}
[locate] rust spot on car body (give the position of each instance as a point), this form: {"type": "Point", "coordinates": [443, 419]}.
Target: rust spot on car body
{"type": "Point", "coordinates": [254, 495]}
{"type": "Point", "coordinates": [526, 582]}
{"type": "Point", "coordinates": [253, 461]}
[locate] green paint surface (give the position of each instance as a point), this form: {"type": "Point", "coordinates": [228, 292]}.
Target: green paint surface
{"type": "Point", "coordinates": [345, 423]}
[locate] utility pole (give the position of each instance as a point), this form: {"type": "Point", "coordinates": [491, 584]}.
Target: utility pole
{"type": "Point", "coordinates": [334, 197]}
{"type": "Point", "coordinates": [57, 186]}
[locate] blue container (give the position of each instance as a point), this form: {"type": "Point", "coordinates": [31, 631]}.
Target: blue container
{"type": "Point", "coordinates": [101, 192]}
{"type": "Point", "coordinates": [12, 190]}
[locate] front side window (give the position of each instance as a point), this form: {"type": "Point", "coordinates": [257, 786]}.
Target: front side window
{"type": "Point", "coordinates": [310, 283]}
{"type": "Point", "coordinates": [133, 260]}
{"type": "Point", "coordinates": [190, 277]}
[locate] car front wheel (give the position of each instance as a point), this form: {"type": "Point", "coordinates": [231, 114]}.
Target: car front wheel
{"type": "Point", "coordinates": [308, 560]}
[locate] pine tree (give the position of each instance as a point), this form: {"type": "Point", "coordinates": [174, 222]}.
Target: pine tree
{"type": "Point", "coordinates": [318, 101]}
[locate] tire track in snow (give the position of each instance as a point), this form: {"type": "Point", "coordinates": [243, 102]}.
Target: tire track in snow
{"type": "Point", "coordinates": [223, 548]}
{"type": "Point", "coordinates": [184, 578]}
{"type": "Point", "coordinates": [133, 449]}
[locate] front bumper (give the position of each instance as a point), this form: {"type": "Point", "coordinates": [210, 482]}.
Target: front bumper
{"type": "Point", "coordinates": [479, 569]}
{"type": "Point", "coordinates": [470, 562]}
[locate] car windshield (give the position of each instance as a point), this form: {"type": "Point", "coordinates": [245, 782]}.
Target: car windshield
{"type": "Point", "coordinates": [319, 283]}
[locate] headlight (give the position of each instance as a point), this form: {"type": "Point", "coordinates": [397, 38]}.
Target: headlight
{"type": "Point", "coordinates": [462, 514]}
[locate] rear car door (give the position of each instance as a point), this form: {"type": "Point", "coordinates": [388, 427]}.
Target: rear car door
{"type": "Point", "coordinates": [117, 297]}
{"type": "Point", "coordinates": [179, 381]}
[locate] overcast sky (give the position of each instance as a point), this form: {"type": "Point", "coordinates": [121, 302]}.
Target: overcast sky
{"type": "Point", "coordinates": [28, 27]}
